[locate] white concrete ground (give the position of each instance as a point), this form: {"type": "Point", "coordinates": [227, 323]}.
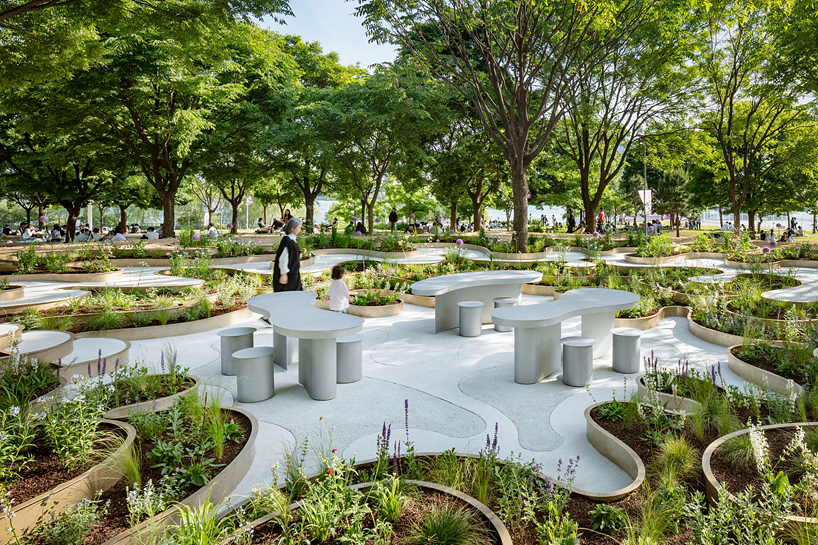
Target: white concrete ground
{"type": "Point", "coordinates": [457, 388]}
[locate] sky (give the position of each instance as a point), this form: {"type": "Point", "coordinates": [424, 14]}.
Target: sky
{"type": "Point", "coordinates": [332, 23]}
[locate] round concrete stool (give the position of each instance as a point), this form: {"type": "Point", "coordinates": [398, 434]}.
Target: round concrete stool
{"type": "Point", "coordinates": [349, 361]}
{"type": "Point", "coordinates": [233, 340]}
{"type": "Point", "coordinates": [627, 349]}
{"type": "Point", "coordinates": [504, 302]}
{"type": "Point", "coordinates": [254, 373]}
{"type": "Point", "coordinates": [471, 318]}
{"type": "Point", "coordinates": [577, 361]}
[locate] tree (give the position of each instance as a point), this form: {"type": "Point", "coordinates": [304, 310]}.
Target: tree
{"type": "Point", "coordinates": [207, 194]}
{"type": "Point", "coordinates": [671, 196]}
{"type": "Point", "coordinates": [275, 190]}
{"type": "Point", "coordinates": [301, 144]}
{"type": "Point", "coordinates": [165, 103]}
{"type": "Point", "coordinates": [646, 78]}
{"type": "Point", "coordinates": [377, 123]}
{"type": "Point", "coordinates": [751, 107]}
{"type": "Point", "coordinates": [514, 62]}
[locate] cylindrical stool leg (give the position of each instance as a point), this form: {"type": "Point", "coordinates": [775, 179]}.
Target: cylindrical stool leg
{"type": "Point", "coordinates": [231, 341]}
{"type": "Point", "coordinates": [627, 350]}
{"type": "Point", "coordinates": [320, 374]}
{"type": "Point", "coordinates": [577, 361]}
{"type": "Point", "coordinates": [350, 359]}
{"type": "Point", "coordinates": [286, 348]}
{"type": "Point", "coordinates": [255, 378]}
{"type": "Point", "coordinates": [471, 318]}
{"type": "Point", "coordinates": [504, 302]}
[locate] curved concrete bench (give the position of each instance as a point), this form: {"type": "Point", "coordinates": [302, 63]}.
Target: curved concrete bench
{"type": "Point", "coordinates": [485, 286]}
{"type": "Point", "coordinates": [292, 315]}
{"type": "Point", "coordinates": [537, 328]}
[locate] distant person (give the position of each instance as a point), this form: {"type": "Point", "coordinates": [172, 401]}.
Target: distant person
{"type": "Point", "coordinates": [600, 220]}
{"type": "Point", "coordinates": [287, 264]}
{"type": "Point", "coordinates": [116, 236]}
{"type": "Point", "coordinates": [56, 233]}
{"type": "Point", "coordinates": [96, 235]}
{"type": "Point", "coordinates": [6, 231]}
{"type": "Point", "coordinates": [338, 293]}
{"type": "Point", "coordinates": [359, 228]}
{"type": "Point", "coordinates": [571, 222]}
{"type": "Point", "coordinates": [276, 225]}
{"type": "Point", "coordinates": [286, 217]}
{"type": "Point", "coordinates": [212, 232]}
{"type": "Point", "coordinates": [151, 234]}
{"type": "Point", "coordinates": [393, 219]}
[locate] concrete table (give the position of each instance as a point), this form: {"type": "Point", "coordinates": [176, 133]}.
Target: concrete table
{"type": "Point", "coordinates": [485, 286]}
{"type": "Point", "coordinates": [538, 328]}
{"type": "Point", "coordinates": [293, 316]}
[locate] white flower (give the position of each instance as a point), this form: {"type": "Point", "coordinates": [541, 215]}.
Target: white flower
{"type": "Point", "coordinates": [761, 450]}
{"type": "Point", "coordinates": [15, 410]}
{"type": "Point", "coordinates": [76, 378]}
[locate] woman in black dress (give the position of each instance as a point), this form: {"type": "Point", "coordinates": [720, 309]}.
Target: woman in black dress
{"type": "Point", "coordinates": [287, 274]}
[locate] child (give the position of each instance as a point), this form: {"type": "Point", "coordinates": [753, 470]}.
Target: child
{"type": "Point", "coordinates": [338, 293]}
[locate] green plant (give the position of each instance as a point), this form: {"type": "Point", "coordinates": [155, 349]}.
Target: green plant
{"type": "Point", "coordinates": [147, 423]}
{"type": "Point", "coordinates": [71, 428]}
{"type": "Point", "coordinates": [27, 260]}
{"type": "Point", "coordinates": [166, 456]}
{"type": "Point", "coordinates": [447, 525]}
{"type": "Point", "coordinates": [607, 518]}
{"type": "Point", "coordinates": [389, 498]}
{"type": "Point", "coordinates": [557, 529]}
{"type": "Point", "coordinates": [106, 320]}
{"type": "Point", "coordinates": [677, 462]}
{"type": "Point", "coordinates": [21, 379]}
{"type": "Point", "coordinates": [72, 526]}
{"type": "Point", "coordinates": [199, 525]}
{"type": "Point", "coordinates": [17, 436]}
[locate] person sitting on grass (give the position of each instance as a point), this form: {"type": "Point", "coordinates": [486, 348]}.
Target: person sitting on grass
{"type": "Point", "coordinates": [211, 231]}
{"type": "Point", "coordinates": [338, 294]}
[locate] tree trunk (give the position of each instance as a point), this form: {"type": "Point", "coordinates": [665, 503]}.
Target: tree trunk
{"type": "Point", "coordinates": [453, 215]}
{"type": "Point", "coordinates": [737, 218]}
{"type": "Point", "coordinates": [40, 214]}
{"type": "Point", "coordinates": [234, 207]}
{"type": "Point", "coordinates": [210, 215]}
{"type": "Point", "coordinates": [815, 222]}
{"type": "Point", "coordinates": [751, 222]}
{"type": "Point", "coordinates": [309, 203]}
{"type": "Point", "coordinates": [721, 217]}
{"type": "Point", "coordinates": [73, 214]}
{"type": "Point", "coordinates": [264, 208]}
{"type": "Point", "coordinates": [477, 213]}
{"type": "Point", "coordinates": [123, 219]}
{"type": "Point", "coordinates": [678, 219]}
{"type": "Point", "coordinates": [370, 219]}
{"type": "Point", "coordinates": [519, 186]}
{"type": "Point", "coordinates": [168, 214]}
{"type": "Point", "coordinates": [28, 214]}
{"type": "Point", "coordinates": [101, 210]}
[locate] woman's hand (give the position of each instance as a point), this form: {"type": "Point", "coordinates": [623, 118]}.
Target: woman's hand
{"type": "Point", "coordinates": [303, 251]}
{"type": "Point", "coordinates": [282, 279]}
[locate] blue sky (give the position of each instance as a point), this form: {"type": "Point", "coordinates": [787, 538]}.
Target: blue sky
{"type": "Point", "coordinates": [332, 23]}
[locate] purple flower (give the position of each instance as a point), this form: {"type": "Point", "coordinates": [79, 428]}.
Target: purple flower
{"type": "Point", "coordinates": [229, 225]}
{"type": "Point", "coordinates": [778, 226]}
{"type": "Point", "coordinates": [459, 242]}
{"type": "Point", "coordinates": [357, 233]}
{"type": "Point", "coordinates": [377, 220]}
{"type": "Point", "coordinates": [354, 218]}
{"type": "Point", "coordinates": [451, 231]}
{"type": "Point", "coordinates": [43, 219]}
{"type": "Point", "coordinates": [412, 216]}
{"type": "Point", "coordinates": [773, 244]}
{"type": "Point", "coordinates": [765, 250]}
{"type": "Point", "coordinates": [196, 236]}
{"type": "Point", "coordinates": [596, 234]}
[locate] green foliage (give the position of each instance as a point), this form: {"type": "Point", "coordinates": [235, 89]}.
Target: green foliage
{"type": "Point", "coordinates": [447, 525]}
{"type": "Point", "coordinates": [71, 527]}
{"type": "Point", "coordinates": [607, 518]}
{"type": "Point", "coordinates": [71, 428]}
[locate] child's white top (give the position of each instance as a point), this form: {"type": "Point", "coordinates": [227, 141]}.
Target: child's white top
{"type": "Point", "coordinates": [338, 295]}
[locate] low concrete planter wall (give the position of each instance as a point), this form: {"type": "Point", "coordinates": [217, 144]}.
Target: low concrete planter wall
{"type": "Point", "coordinates": [16, 332]}
{"type": "Point", "coordinates": [539, 289]}
{"type": "Point", "coordinates": [666, 260]}
{"type": "Point", "coordinates": [100, 477]}
{"type": "Point", "coordinates": [750, 266]}
{"type": "Point", "coordinates": [154, 405]}
{"type": "Point", "coordinates": [65, 372]}
{"type": "Point", "coordinates": [649, 322]}
{"type": "Point", "coordinates": [671, 402]}
{"type": "Point", "coordinates": [218, 488]}
{"type": "Point", "coordinates": [12, 293]}
{"type": "Point", "coordinates": [713, 486]}
{"type": "Point", "coordinates": [617, 452]}
{"type": "Point", "coordinates": [367, 253]}
{"type": "Point", "coordinates": [173, 312]}
{"type": "Point", "coordinates": [71, 276]}
{"type": "Point", "coordinates": [366, 311]}
{"type": "Point", "coordinates": [173, 330]}
{"type": "Point", "coordinates": [417, 300]}
{"type": "Point", "coordinates": [711, 335]}
{"type": "Point", "coordinates": [758, 376]}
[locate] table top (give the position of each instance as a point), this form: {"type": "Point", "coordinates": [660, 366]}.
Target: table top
{"type": "Point", "coordinates": [450, 282]}
{"type": "Point", "coordinates": [573, 303]}
{"type": "Point", "coordinates": [292, 315]}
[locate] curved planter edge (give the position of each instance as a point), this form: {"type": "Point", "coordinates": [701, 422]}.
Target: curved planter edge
{"type": "Point", "coordinates": [617, 452]}
{"type": "Point", "coordinates": [758, 376]}
{"type": "Point", "coordinates": [100, 477]}
{"type": "Point", "coordinates": [172, 330]}
{"type": "Point", "coordinates": [649, 322]}
{"type": "Point", "coordinates": [216, 489]}
{"type": "Point", "coordinates": [713, 487]}
{"type": "Point", "coordinates": [12, 293]}
{"type": "Point", "coordinates": [71, 277]}
{"type": "Point", "coordinates": [65, 372]}
{"type": "Point", "coordinates": [162, 403]}
{"type": "Point", "coordinates": [366, 311]}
